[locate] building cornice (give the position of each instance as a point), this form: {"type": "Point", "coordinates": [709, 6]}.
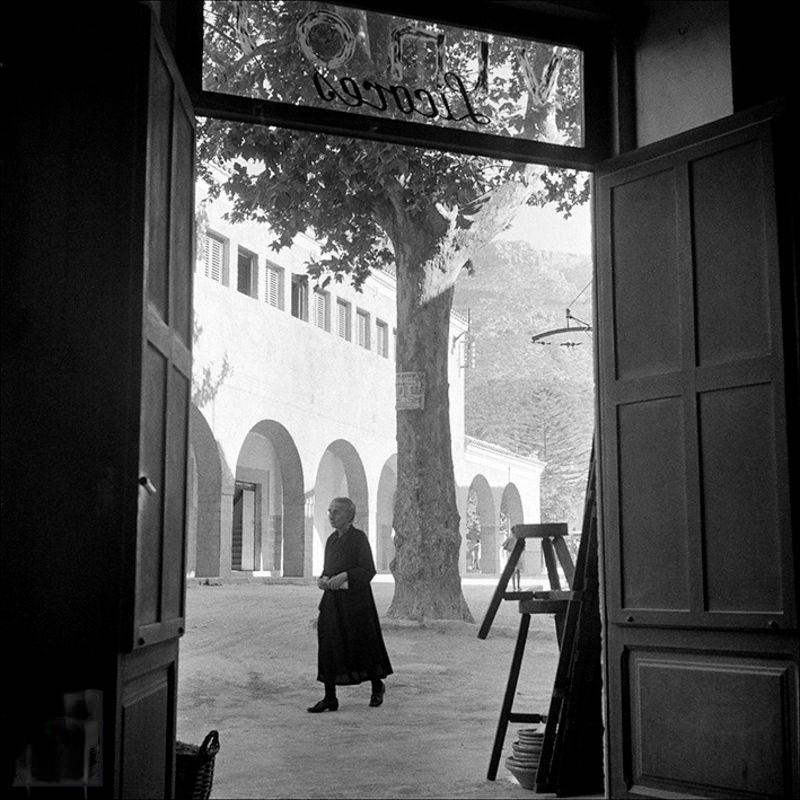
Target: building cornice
{"type": "Point", "coordinates": [487, 450]}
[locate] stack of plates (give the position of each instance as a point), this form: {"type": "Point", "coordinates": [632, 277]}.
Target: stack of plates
{"type": "Point", "coordinates": [524, 761]}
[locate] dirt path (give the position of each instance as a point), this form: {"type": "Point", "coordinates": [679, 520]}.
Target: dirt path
{"type": "Point", "coordinates": [248, 668]}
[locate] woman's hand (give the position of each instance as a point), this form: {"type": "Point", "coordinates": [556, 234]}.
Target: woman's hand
{"type": "Point", "coordinates": [336, 581]}
{"type": "Point", "coordinates": [322, 582]}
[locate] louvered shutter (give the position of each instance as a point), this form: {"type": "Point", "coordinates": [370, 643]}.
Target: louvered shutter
{"type": "Point", "coordinates": [342, 326]}
{"type": "Point", "coordinates": [273, 287]}
{"type": "Point", "coordinates": [382, 334]}
{"type": "Point", "coordinates": [319, 309]}
{"type": "Point", "coordinates": [363, 329]}
{"type": "Point", "coordinates": [214, 252]}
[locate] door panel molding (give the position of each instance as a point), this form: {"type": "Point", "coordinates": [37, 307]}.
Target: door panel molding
{"type": "Point", "coordinates": [696, 385]}
{"type": "Point", "coordinates": [694, 467]}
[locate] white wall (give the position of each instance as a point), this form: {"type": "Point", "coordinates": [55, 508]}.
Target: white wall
{"type": "Point", "coordinates": [683, 68]}
{"type": "Point", "coordinates": [318, 386]}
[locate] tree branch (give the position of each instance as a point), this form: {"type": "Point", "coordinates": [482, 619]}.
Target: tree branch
{"type": "Point", "coordinates": [460, 244]}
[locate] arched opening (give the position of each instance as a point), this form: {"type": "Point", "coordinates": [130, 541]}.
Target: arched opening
{"type": "Point", "coordinates": [268, 524]}
{"type": "Point", "coordinates": [384, 539]}
{"type": "Point", "coordinates": [481, 527]}
{"type": "Point", "coordinates": [204, 484]}
{"type": "Point", "coordinates": [511, 514]}
{"type": "Point", "coordinates": [340, 474]}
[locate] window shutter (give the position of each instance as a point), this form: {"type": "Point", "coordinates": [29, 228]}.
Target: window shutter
{"type": "Point", "coordinates": [273, 296]}
{"type": "Point", "coordinates": [342, 319]}
{"type": "Point", "coordinates": [319, 310]}
{"type": "Point", "coordinates": [363, 329]}
{"type": "Point", "coordinates": [382, 344]}
{"type": "Point", "coordinates": [214, 258]}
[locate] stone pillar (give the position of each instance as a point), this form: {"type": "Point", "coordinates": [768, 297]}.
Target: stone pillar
{"type": "Point", "coordinates": [210, 530]}
{"type": "Point", "coordinates": [490, 549]}
{"type": "Point", "coordinates": [308, 539]}
{"type": "Point", "coordinates": [461, 504]}
{"type": "Point", "coordinates": [273, 555]}
{"type": "Point", "coordinates": [295, 540]}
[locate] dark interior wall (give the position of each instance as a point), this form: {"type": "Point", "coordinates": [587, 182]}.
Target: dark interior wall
{"type": "Point", "coordinates": [764, 69]}
{"type": "Point", "coordinates": [682, 67]}
{"type": "Point", "coordinates": [69, 346]}
{"type": "Point", "coordinates": [71, 320]}
{"type": "Point", "coordinates": [763, 52]}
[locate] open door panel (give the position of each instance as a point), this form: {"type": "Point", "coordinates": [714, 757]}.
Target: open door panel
{"type": "Point", "coordinates": [701, 644]}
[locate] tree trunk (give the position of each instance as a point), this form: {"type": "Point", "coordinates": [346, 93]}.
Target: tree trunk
{"type": "Point", "coordinates": [426, 519]}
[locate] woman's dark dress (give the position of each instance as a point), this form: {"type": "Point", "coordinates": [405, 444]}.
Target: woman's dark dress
{"type": "Point", "coordinates": [351, 648]}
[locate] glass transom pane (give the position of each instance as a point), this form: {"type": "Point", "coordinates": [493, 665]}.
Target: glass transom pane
{"type": "Point", "coordinates": [349, 59]}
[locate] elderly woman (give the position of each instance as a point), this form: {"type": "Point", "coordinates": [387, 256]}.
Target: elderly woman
{"type": "Point", "coordinates": [351, 648]}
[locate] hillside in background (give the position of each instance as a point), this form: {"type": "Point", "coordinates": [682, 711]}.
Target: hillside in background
{"type": "Point", "coordinates": [532, 399]}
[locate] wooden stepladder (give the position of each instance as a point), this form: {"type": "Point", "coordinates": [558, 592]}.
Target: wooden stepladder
{"type": "Point", "coordinates": [555, 601]}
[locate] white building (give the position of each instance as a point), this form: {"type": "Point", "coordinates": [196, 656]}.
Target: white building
{"type": "Point", "coordinates": [295, 404]}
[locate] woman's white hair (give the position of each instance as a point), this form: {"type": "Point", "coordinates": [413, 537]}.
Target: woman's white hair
{"type": "Point", "coordinates": [347, 503]}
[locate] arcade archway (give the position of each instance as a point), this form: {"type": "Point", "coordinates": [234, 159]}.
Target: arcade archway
{"type": "Point", "coordinates": [207, 481]}
{"type": "Point", "coordinates": [481, 510]}
{"type": "Point", "coordinates": [340, 474]}
{"type": "Point", "coordinates": [384, 544]}
{"type": "Point", "coordinates": [268, 530]}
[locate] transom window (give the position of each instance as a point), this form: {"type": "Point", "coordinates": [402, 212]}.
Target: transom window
{"type": "Point", "coordinates": [359, 61]}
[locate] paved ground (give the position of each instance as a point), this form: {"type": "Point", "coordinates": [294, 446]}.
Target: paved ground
{"type": "Point", "coordinates": [248, 668]}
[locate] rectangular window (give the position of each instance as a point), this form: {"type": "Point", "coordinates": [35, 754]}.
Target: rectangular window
{"type": "Point", "coordinates": [273, 292]}
{"type": "Point", "coordinates": [322, 310]}
{"type": "Point", "coordinates": [343, 319]}
{"type": "Point", "coordinates": [300, 297]}
{"type": "Point", "coordinates": [214, 257]}
{"type": "Point", "coordinates": [382, 335]}
{"type": "Point", "coordinates": [247, 273]}
{"type": "Point", "coordinates": [394, 347]}
{"type": "Point", "coordinates": [363, 329]}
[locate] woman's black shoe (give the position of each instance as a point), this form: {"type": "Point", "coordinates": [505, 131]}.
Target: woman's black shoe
{"type": "Point", "coordinates": [324, 705]}
{"type": "Point", "coordinates": [377, 697]}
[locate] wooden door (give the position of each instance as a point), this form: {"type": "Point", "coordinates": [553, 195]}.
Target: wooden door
{"type": "Point", "coordinates": [155, 592]}
{"type": "Point", "coordinates": [694, 339]}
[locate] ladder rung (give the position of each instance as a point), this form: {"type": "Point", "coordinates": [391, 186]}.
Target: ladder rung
{"type": "Point", "coordinates": [543, 606]}
{"type": "Point", "coordinates": [540, 530]}
{"type": "Point", "coordinates": [527, 717]}
{"type": "Point", "coordinates": [518, 595]}
{"type": "Point", "coordinates": [557, 594]}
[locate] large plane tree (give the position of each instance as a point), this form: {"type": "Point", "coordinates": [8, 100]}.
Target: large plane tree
{"type": "Point", "coordinates": [422, 213]}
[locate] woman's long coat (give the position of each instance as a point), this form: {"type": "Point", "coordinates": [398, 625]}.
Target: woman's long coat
{"type": "Point", "coordinates": [351, 648]}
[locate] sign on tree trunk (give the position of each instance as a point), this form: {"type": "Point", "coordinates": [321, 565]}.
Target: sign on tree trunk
{"type": "Point", "coordinates": [410, 391]}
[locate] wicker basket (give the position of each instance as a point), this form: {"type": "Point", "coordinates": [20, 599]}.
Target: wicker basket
{"type": "Point", "coordinates": [194, 768]}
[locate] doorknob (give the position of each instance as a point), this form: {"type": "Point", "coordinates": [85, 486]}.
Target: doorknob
{"type": "Point", "coordinates": [147, 484]}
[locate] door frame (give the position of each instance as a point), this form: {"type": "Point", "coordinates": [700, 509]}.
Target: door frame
{"type": "Point", "coordinates": [609, 96]}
